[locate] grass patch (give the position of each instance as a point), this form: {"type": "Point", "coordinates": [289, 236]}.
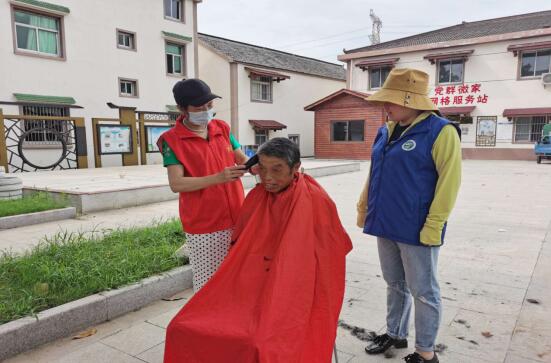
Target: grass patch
{"type": "Point", "coordinates": [70, 266]}
{"type": "Point", "coordinates": [35, 202]}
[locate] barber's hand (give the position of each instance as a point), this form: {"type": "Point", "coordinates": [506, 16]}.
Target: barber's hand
{"type": "Point", "coordinates": [231, 173]}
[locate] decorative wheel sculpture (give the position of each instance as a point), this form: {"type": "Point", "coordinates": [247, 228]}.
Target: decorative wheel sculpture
{"type": "Point", "coordinates": [19, 156]}
{"type": "Point", "coordinates": [59, 137]}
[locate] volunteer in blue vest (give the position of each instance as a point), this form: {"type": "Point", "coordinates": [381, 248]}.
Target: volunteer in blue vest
{"type": "Point", "coordinates": [204, 164]}
{"type": "Point", "coordinates": [411, 190]}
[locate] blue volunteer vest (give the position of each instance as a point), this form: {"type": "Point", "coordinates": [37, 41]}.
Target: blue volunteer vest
{"type": "Point", "coordinates": [402, 182]}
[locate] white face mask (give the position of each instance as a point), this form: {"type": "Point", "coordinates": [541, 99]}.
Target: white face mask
{"type": "Point", "coordinates": [201, 118]}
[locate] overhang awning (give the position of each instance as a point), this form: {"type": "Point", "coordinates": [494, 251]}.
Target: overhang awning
{"type": "Point", "coordinates": [460, 54]}
{"type": "Point", "coordinates": [460, 110]}
{"type": "Point", "coordinates": [537, 111]}
{"type": "Point", "coordinates": [380, 62]}
{"type": "Point", "coordinates": [516, 48]}
{"type": "Point", "coordinates": [266, 73]}
{"type": "Point", "coordinates": [267, 125]}
{"type": "Point", "coordinates": [172, 109]}
{"type": "Point", "coordinates": [24, 97]}
{"type": "Point", "coordinates": [176, 37]}
{"type": "Point", "coordinates": [42, 5]}
{"type": "Point", "coordinates": [116, 107]}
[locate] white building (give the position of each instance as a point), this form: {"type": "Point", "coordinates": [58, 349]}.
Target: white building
{"type": "Point", "coordinates": [485, 74]}
{"type": "Point", "coordinates": [57, 56]}
{"type": "Point", "coordinates": [264, 91]}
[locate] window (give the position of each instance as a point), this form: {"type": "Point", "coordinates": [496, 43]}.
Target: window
{"type": "Point", "coordinates": [174, 9]}
{"type": "Point", "coordinates": [261, 89]}
{"type": "Point", "coordinates": [451, 71]}
{"type": "Point", "coordinates": [348, 130]}
{"type": "Point", "coordinates": [260, 136]}
{"type": "Point", "coordinates": [534, 64]}
{"type": "Point", "coordinates": [175, 55]}
{"type": "Point", "coordinates": [128, 87]}
{"type": "Point", "coordinates": [295, 139]}
{"type": "Point", "coordinates": [528, 129]}
{"type": "Point", "coordinates": [377, 76]}
{"type": "Point", "coordinates": [39, 129]}
{"type": "Point", "coordinates": [37, 33]}
{"type": "Point", "coordinates": [126, 40]}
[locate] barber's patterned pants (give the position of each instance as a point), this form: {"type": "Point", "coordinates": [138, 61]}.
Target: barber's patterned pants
{"type": "Point", "coordinates": [206, 252]}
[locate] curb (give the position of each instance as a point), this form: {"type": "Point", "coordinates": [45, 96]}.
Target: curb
{"type": "Point", "coordinates": [27, 333]}
{"type": "Point", "coordinates": [28, 219]}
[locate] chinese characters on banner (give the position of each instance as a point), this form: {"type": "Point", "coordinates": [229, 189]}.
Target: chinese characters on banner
{"type": "Point", "coordinates": [459, 95]}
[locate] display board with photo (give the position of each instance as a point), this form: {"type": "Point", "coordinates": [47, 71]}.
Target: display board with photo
{"type": "Point", "coordinates": [114, 139]}
{"type": "Point", "coordinates": [152, 134]}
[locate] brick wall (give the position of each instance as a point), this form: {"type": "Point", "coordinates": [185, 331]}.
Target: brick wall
{"type": "Point", "coordinates": [346, 108]}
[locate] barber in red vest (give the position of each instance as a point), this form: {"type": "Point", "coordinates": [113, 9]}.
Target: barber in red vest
{"type": "Point", "coordinates": [204, 164]}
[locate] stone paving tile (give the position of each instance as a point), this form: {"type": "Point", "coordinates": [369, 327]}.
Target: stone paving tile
{"type": "Point", "coordinates": [513, 358]}
{"type": "Point", "coordinates": [155, 354]}
{"type": "Point", "coordinates": [163, 320]}
{"type": "Point", "coordinates": [532, 336]}
{"type": "Point", "coordinates": [493, 259]}
{"type": "Point", "coordinates": [98, 353]}
{"type": "Point", "coordinates": [137, 339]}
{"type": "Point", "coordinates": [465, 335]}
{"type": "Point", "coordinates": [343, 357]}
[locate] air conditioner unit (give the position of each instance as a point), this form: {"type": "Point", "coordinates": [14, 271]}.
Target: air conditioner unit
{"type": "Point", "coordinates": [546, 79]}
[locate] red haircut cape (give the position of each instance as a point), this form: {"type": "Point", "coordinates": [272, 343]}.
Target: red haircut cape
{"type": "Point", "coordinates": [278, 294]}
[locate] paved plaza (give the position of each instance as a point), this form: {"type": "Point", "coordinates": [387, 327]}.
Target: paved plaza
{"type": "Point", "coordinates": [495, 275]}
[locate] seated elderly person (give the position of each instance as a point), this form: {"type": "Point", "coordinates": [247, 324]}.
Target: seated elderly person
{"type": "Point", "coordinates": [278, 294]}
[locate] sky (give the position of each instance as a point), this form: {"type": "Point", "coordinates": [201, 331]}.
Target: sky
{"type": "Point", "coordinates": [321, 29]}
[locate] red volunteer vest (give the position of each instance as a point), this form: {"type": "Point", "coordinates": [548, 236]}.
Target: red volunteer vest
{"type": "Point", "coordinates": [214, 208]}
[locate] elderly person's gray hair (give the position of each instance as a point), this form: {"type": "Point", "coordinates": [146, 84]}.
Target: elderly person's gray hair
{"type": "Point", "coordinates": [281, 148]}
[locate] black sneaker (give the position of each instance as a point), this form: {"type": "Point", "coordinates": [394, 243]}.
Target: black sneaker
{"type": "Point", "coordinates": [416, 358]}
{"type": "Point", "coordinates": [381, 343]}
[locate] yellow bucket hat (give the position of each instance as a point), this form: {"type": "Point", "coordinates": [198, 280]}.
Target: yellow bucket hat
{"type": "Point", "coordinates": [406, 87]}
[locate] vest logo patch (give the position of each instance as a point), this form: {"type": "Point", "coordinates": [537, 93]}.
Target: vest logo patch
{"type": "Point", "coordinates": [409, 145]}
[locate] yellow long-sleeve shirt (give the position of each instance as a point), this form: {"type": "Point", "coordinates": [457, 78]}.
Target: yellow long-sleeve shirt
{"type": "Point", "coordinates": [446, 153]}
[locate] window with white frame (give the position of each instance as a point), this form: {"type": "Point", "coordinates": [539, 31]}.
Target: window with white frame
{"type": "Point", "coordinates": [536, 63]}
{"type": "Point", "coordinates": [451, 71]}
{"type": "Point", "coordinates": [295, 139]}
{"type": "Point", "coordinates": [126, 40]}
{"type": "Point", "coordinates": [174, 9]}
{"type": "Point", "coordinates": [37, 33]}
{"type": "Point", "coordinates": [175, 59]}
{"type": "Point", "coordinates": [260, 137]}
{"type": "Point", "coordinates": [347, 130]}
{"type": "Point", "coordinates": [128, 87]}
{"type": "Point", "coordinates": [377, 76]}
{"type": "Point", "coordinates": [261, 88]}
{"type": "Point", "coordinates": [528, 129]}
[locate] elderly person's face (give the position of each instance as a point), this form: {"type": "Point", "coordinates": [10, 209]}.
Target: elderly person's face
{"type": "Point", "coordinates": [275, 173]}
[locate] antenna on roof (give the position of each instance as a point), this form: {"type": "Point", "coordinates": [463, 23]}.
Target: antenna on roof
{"type": "Point", "coordinates": [375, 36]}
